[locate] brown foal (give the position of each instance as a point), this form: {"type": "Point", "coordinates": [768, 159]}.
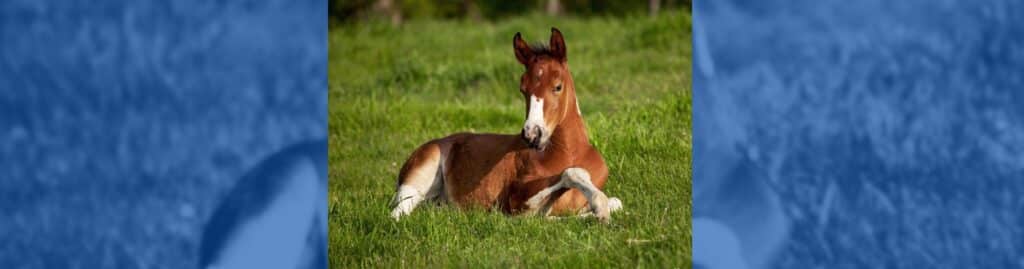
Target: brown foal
{"type": "Point", "coordinates": [550, 168]}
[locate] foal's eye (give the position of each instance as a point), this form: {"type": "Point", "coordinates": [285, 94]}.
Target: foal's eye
{"type": "Point", "coordinates": [558, 88]}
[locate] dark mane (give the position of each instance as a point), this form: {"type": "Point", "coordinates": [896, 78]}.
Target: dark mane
{"type": "Point", "coordinates": [539, 49]}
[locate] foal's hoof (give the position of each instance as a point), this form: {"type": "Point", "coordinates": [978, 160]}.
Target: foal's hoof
{"type": "Point", "coordinates": [601, 209]}
{"type": "Point", "coordinates": [614, 204]}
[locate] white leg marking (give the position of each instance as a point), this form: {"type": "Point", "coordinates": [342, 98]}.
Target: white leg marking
{"type": "Point", "coordinates": [580, 179]}
{"type": "Point", "coordinates": [600, 205]}
{"type": "Point", "coordinates": [614, 204]}
{"type": "Point", "coordinates": [423, 182]}
{"type": "Point", "coordinates": [541, 199]}
{"type": "Point", "coordinates": [405, 201]}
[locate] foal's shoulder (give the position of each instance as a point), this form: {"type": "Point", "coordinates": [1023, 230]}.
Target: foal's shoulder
{"type": "Point", "coordinates": [591, 152]}
{"type": "Point", "coordinates": [592, 157]}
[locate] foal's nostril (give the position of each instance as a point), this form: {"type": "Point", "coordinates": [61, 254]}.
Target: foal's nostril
{"type": "Point", "coordinates": [531, 135]}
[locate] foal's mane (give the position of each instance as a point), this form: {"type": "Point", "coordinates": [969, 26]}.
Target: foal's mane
{"type": "Point", "coordinates": [541, 49]}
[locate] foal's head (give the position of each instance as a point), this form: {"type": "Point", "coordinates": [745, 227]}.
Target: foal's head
{"type": "Point", "coordinates": [547, 87]}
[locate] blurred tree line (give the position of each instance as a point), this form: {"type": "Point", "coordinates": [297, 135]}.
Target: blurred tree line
{"type": "Point", "coordinates": [396, 11]}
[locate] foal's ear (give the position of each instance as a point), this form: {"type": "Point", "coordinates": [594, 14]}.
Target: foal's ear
{"type": "Point", "coordinates": [523, 52]}
{"type": "Point", "coordinates": [557, 45]}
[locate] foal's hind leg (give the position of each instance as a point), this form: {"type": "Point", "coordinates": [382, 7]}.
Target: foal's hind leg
{"type": "Point", "coordinates": [420, 179]}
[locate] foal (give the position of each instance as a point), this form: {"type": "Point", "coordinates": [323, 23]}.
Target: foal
{"type": "Point", "coordinates": [550, 168]}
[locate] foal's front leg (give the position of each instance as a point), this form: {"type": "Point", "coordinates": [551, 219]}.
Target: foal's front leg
{"type": "Point", "coordinates": [580, 179]}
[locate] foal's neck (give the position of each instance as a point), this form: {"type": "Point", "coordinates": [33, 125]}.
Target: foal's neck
{"type": "Point", "coordinates": [570, 137]}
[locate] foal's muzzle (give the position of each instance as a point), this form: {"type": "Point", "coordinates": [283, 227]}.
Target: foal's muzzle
{"type": "Point", "coordinates": [533, 135]}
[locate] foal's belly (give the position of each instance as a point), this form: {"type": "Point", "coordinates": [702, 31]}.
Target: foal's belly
{"type": "Point", "coordinates": [478, 168]}
{"type": "Point", "coordinates": [473, 181]}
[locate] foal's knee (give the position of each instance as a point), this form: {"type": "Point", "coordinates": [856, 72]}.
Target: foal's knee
{"type": "Point", "coordinates": [576, 177]}
{"type": "Point", "coordinates": [580, 179]}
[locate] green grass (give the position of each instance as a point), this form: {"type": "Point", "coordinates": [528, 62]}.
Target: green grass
{"type": "Point", "coordinates": [393, 88]}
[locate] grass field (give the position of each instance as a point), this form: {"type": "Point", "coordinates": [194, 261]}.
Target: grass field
{"type": "Point", "coordinates": [391, 89]}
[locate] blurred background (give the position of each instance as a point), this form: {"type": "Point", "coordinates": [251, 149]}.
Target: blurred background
{"type": "Point", "coordinates": [399, 11]}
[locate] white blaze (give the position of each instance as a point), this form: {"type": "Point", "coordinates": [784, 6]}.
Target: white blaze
{"type": "Point", "coordinates": [536, 115]}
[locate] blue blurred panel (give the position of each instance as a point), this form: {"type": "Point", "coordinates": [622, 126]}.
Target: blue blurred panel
{"type": "Point", "coordinates": [858, 134]}
{"type": "Point", "coordinates": [127, 126]}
